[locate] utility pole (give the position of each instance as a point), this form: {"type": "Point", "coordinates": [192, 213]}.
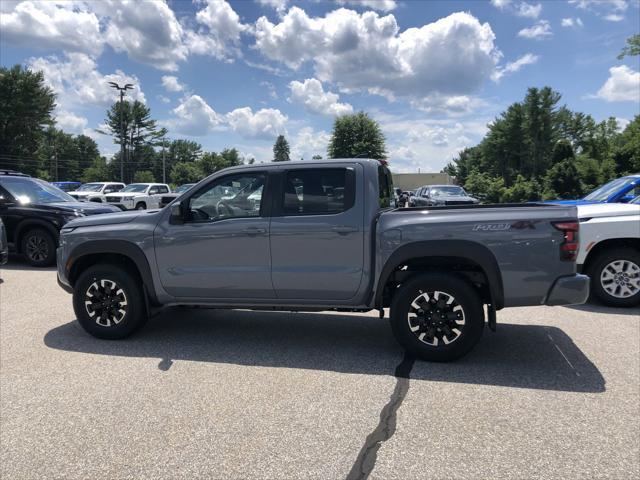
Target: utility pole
{"type": "Point", "coordinates": [122, 91]}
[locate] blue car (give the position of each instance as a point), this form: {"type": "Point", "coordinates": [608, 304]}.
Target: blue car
{"type": "Point", "coordinates": [620, 190]}
{"type": "Point", "coordinates": [67, 186]}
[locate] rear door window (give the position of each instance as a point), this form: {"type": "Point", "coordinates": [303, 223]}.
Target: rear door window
{"type": "Point", "coordinates": [317, 191]}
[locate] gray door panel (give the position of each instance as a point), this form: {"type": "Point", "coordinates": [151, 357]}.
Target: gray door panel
{"type": "Point", "coordinates": [224, 259]}
{"type": "Point", "coordinates": [321, 256]}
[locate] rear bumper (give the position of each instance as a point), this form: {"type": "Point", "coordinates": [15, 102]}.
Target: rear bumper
{"type": "Point", "coordinates": [569, 290]}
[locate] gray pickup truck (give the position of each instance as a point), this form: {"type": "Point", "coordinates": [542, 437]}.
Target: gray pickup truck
{"type": "Point", "coordinates": [313, 236]}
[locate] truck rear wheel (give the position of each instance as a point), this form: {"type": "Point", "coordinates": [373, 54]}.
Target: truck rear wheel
{"type": "Point", "coordinates": [437, 317]}
{"type": "Point", "coordinates": [615, 277]}
{"type": "Point", "coordinates": [108, 302]}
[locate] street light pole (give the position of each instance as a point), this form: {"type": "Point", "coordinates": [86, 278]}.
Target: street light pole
{"type": "Point", "coordinates": [164, 180]}
{"type": "Point", "coordinates": [122, 91]}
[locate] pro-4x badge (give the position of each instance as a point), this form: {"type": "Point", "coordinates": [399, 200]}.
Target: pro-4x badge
{"type": "Point", "coordinates": [491, 227]}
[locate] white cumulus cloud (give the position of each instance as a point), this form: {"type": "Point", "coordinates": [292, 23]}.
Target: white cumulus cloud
{"type": "Point", "coordinates": [572, 22]}
{"type": "Point", "coordinates": [623, 85]}
{"type": "Point", "coordinates": [308, 142]}
{"type": "Point", "coordinates": [367, 52]}
{"type": "Point", "coordinates": [264, 123]}
{"type": "Point", "coordinates": [528, 10]}
{"type": "Point", "coordinates": [171, 83]}
{"type": "Point", "coordinates": [311, 94]}
{"type": "Point", "coordinates": [52, 26]}
{"type": "Point", "coordinates": [540, 30]}
{"type": "Point", "coordinates": [194, 117]}
{"type": "Point", "coordinates": [78, 83]}
{"type": "Point", "coordinates": [512, 67]}
{"type": "Point", "coordinates": [381, 5]}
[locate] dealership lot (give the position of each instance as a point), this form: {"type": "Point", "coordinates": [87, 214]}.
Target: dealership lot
{"type": "Point", "coordinates": [235, 394]}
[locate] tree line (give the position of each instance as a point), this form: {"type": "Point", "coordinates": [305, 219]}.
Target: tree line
{"type": "Point", "coordinates": [537, 149]}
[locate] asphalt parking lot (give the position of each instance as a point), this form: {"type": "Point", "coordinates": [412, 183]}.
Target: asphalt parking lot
{"type": "Point", "coordinates": [235, 394]}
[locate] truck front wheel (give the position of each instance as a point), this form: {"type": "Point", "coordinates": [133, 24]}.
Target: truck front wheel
{"type": "Point", "coordinates": [437, 317]}
{"type": "Point", "coordinates": [108, 302]}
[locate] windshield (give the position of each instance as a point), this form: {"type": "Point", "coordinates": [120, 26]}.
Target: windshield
{"type": "Point", "coordinates": [32, 190]}
{"type": "Point", "coordinates": [447, 191]}
{"type": "Point", "coordinates": [636, 201]}
{"type": "Point", "coordinates": [90, 187]}
{"type": "Point", "coordinates": [135, 187]}
{"type": "Point", "coordinates": [608, 189]}
{"type": "Point", "coordinates": [183, 188]}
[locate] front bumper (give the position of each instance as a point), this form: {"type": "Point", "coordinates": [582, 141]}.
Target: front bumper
{"type": "Point", "coordinates": [569, 290]}
{"type": "Point", "coordinates": [63, 281]}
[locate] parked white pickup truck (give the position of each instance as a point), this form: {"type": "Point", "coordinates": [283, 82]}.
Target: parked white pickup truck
{"type": "Point", "coordinates": [610, 251]}
{"type": "Point", "coordinates": [96, 191]}
{"type": "Point", "coordinates": [139, 196]}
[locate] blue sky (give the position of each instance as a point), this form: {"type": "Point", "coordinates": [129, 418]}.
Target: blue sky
{"type": "Point", "coordinates": [236, 74]}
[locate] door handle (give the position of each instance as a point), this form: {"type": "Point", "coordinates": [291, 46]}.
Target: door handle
{"type": "Point", "coordinates": [344, 229]}
{"type": "Point", "coordinates": [254, 231]}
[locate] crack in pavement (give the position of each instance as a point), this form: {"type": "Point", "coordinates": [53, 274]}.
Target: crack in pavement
{"type": "Point", "coordinates": [368, 455]}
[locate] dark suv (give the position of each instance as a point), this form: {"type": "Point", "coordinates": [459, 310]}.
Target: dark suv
{"type": "Point", "coordinates": [33, 212]}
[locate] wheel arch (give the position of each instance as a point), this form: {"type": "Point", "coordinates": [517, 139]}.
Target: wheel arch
{"type": "Point", "coordinates": [29, 224]}
{"type": "Point", "coordinates": [440, 255]}
{"type": "Point", "coordinates": [119, 252]}
{"type": "Point", "coordinates": [607, 245]}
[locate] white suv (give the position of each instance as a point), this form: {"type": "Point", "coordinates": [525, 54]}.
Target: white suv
{"type": "Point", "coordinates": [139, 196]}
{"type": "Point", "coordinates": [95, 191]}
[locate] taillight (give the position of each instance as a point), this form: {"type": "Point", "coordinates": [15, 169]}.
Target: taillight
{"type": "Point", "coordinates": [569, 247]}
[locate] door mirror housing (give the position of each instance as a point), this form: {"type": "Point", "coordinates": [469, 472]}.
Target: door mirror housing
{"type": "Point", "coordinates": [177, 216]}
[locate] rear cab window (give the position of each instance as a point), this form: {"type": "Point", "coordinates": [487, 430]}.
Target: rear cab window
{"type": "Point", "coordinates": [385, 187]}
{"type": "Point", "coordinates": [318, 191]}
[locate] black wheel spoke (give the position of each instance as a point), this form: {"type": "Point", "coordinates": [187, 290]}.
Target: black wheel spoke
{"type": "Point", "coordinates": [436, 320]}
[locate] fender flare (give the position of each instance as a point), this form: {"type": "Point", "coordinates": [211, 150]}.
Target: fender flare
{"type": "Point", "coordinates": [473, 251]}
{"type": "Point", "coordinates": [25, 225]}
{"type": "Point", "coordinates": [120, 247]}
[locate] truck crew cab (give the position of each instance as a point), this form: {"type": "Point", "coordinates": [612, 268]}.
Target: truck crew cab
{"type": "Point", "coordinates": [322, 236]}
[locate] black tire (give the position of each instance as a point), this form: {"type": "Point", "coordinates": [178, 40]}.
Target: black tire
{"type": "Point", "coordinates": [141, 206]}
{"type": "Point", "coordinates": [109, 284]}
{"type": "Point", "coordinates": [38, 247]}
{"type": "Point", "coordinates": [605, 290]}
{"type": "Point", "coordinates": [471, 321]}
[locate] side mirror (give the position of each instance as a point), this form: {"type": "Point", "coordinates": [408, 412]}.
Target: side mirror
{"type": "Point", "coordinates": [177, 214]}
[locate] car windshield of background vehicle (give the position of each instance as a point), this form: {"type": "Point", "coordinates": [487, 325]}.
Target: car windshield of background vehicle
{"type": "Point", "coordinates": [608, 189]}
{"type": "Point", "coordinates": [447, 191]}
{"type": "Point", "coordinates": [135, 187]}
{"type": "Point", "coordinates": [31, 190]}
{"type": "Point", "coordinates": [90, 187]}
{"type": "Point", "coordinates": [636, 201]}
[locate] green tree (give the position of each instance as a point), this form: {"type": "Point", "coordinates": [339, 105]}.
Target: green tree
{"type": "Point", "coordinates": [137, 133]}
{"type": "Point", "coordinates": [59, 155]}
{"type": "Point", "coordinates": [184, 172]}
{"type": "Point", "coordinates": [632, 48]}
{"type": "Point", "coordinates": [26, 104]}
{"type": "Point", "coordinates": [522, 190]}
{"type": "Point", "coordinates": [485, 187]}
{"type": "Point", "coordinates": [562, 181]}
{"type": "Point", "coordinates": [626, 155]}
{"type": "Point", "coordinates": [356, 135]}
{"type": "Point", "coordinates": [281, 150]}
{"type": "Point", "coordinates": [98, 172]}
{"type": "Point", "coordinates": [316, 157]}
{"type": "Point", "coordinates": [143, 176]}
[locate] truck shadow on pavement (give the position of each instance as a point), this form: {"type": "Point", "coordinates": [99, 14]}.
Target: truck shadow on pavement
{"type": "Point", "coordinates": [519, 356]}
